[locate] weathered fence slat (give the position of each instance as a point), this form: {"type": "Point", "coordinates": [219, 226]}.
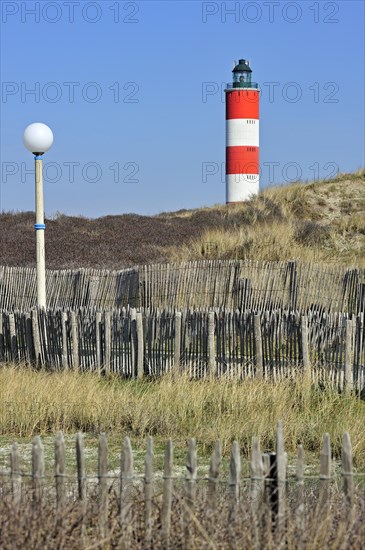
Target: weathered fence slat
{"type": "Point", "coordinates": [213, 476]}
{"type": "Point", "coordinates": [64, 340]}
{"type": "Point", "coordinates": [281, 462]}
{"type": "Point", "coordinates": [177, 346]}
{"type": "Point", "coordinates": [305, 347]}
{"type": "Point", "coordinates": [75, 341]}
{"type": "Point", "coordinates": [37, 469]}
{"type": "Point", "coordinates": [349, 359]}
{"type": "Point", "coordinates": [140, 345]}
{"type": "Point", "coordinates": [148, 491]}
{"type": "Point", "coordinates": [190, 489]}
{"type": "Point", "coordinates": [98, 341]}
{"type": "Point", "coordinates": [299, 474]}
{"type": "Point", "coordinates": [211, 344]}
{"type": "Point", "coordinates": [347, 472]}
{"type": "Point", "coordinates": [107, 342]}
{"type": "Point", "coordinates": [258, 347]}
{"type": "Point", "coordinates": [36, 340]}
{"type": "Point", "coordinates": [167, 495]}
{"type": "Point", "coordinates": [16, 478]}
{"type": "Point", "coordinates": [126, 480]}
{"type": "Point", "coordinates": [81, 479]}
{"type": "Point", "coordinates": [257, 489]}
{"type": "Point", "coordinates": [325, 472]}
{"type": "Point", "coordinates": [257, 475]}
{"type": "Point", "coordinates": [103, 484]}
{"type": "Point", "coordinates": [60, 470]}
{"type": "Point", "coordinates": [80, 463]}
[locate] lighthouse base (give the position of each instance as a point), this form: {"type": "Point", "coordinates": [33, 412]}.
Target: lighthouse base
{"type": "Point", "coordinates": [241, 187]}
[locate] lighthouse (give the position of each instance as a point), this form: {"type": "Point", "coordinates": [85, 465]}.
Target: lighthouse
{"type": "Point", "coordinates": [242, 135]}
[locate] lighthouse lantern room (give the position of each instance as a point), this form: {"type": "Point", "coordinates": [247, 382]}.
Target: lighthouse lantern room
{"type": "Point", "coordinates": [242, 135]}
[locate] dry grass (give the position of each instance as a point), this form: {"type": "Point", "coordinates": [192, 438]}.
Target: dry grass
{"type": "Point", "coordinates": [321, 222]}
{"type": "Point", "coordinates": [264, 227]}
{"type": "Point", "coordinates": [25, 528]}
{"type": "Point", "coordinates": [39, 402]}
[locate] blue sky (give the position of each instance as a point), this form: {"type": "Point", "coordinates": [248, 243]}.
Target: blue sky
{"type": "Point", "coordinates": [133, 94]}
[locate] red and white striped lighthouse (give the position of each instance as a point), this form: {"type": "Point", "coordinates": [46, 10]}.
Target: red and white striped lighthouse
{"type": "Point", "coordinates": [242, 135]}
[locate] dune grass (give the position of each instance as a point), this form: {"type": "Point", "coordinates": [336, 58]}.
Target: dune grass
{"type": "Point", "coordinates": [322, 221]}
{"type": "Point", "coordinates": [38, 402]}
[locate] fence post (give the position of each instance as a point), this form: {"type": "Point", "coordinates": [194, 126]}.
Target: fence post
{"type": "Point", "coordinates": [80, 461]}
{"type": "Point", "coordinates": [257, 489]}
{"type": "Point", "coordinates": [212, 368]}
{"type": "Point", "coordinates": [167, 495]}
{"type": "Point", "coordinates": [325, 472]}
{"type": "Point", "coordinates": [177, 350]}
{"type": "Point", "coordinates": [133, 341]}
{"type": "Point", "coordinates": [293, 287]}
{"type": "Point", "coordinates": [16, 478]}
{"type": "Point", "coordinates": [148, 492]}
{"type": "Point", "coordinates": [28, 338]}
{"type": "Point", "coordinates": [60, 470]}
{"type": "Point", "coordinates": [37, 469]}
{"type": "Point", "coordinates": [126, 478]}
{"type": "Point", "coordinates": [347, 474]}
{"type": "Point", "coordinates": [360, 306]}
{"type": "Point", "coordinates": [190, 489]}
{"type": "Point", "coordinates": [214, 466]}
{"type": "Point", "coordinates": [234, 476]}
{"type": "Point", "coordinates": [299, 474]}
{"type": "Point", "coordinates": [103, 484]}
{"type": "Point", "coordinates": [13, 342]}
{"type": "Point", "coordinates": [281, 462]}
{"type": "Point", "coordinates": [140, 345]}
{"type": "Point", "coordinates": [98, 341]}
{"type": "Point", "coordinates": [107, 342]}
{"type": "Point", "coordinates": [64, 340]}
{"type": "Point", "coordinates": [81, 478]}
{"type": "Point", "coordinates": [305, 347]}
{"type": "Point", "coordinates": [276, 469]}
{"type": "Point", "coordinates": [258, 346]}
{"type": "Point", "coordinates": [35, 331]}
{"type": "Point", "coordinates": [234, 489]}
{"type": "Point", "coordinates": [349, 358]}
{"type": "Point", "coordinates": [75, 341]}
{"type": "Point", "coordinates": [257, 475]}
{"type": "Point", "coordinates": [1, 336]}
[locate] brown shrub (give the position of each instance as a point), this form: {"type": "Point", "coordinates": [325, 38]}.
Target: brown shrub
{"type": "Point", "coordinates": [310, 233]}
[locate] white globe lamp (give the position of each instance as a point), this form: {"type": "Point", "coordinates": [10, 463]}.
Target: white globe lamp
{"type": "Point", "coordinates": [38, 138]}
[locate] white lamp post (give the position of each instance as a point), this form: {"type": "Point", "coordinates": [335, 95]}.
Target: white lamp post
{"type": "Point", "coordinates": [38, 138]}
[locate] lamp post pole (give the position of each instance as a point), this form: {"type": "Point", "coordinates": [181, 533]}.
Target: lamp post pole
{"type": "Point", "coordinates": [38, 138]}
{"type": "Point", "coordinates": [40, 228]}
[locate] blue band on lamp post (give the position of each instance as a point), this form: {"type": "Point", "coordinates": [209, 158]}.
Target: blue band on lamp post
{"type": "Point", "coordinates": [39, 226]}
{"type": "Point", "coordinates": [37, 157]}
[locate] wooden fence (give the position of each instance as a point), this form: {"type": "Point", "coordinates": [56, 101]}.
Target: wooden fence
{"type": "Point", "coordinates": [267, 483]}
{"type": "Point", "coordinates": [144, 342]}
{"type": "Point", "coordinates": [232, 284]}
